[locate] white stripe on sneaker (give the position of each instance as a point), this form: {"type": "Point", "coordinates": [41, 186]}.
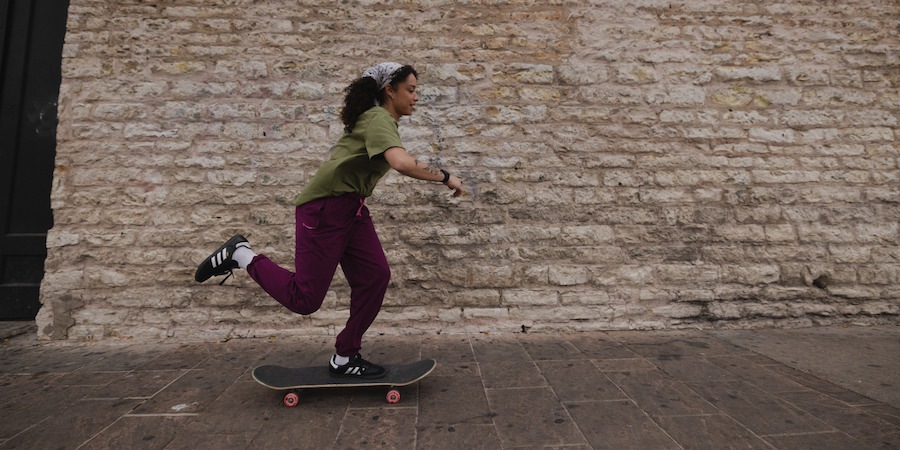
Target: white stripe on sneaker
{"type": "Point", "coordinates": [219, 258]}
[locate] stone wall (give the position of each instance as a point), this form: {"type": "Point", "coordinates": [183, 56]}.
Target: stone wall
{"type": "Point", "coordinates": [631, 163]}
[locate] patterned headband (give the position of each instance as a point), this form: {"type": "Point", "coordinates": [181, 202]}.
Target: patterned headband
{"type": "Point", "coordinates": [382, 73]}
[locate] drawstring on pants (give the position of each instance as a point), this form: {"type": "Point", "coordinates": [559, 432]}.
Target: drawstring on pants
{"type": "Point", "coordinates": [362, 202]}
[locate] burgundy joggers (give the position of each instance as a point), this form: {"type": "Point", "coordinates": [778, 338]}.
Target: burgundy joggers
{"type": "Point", "coordinates": [330, 231]}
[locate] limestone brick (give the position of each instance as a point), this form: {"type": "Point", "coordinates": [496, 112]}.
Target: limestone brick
{"type": "Point", "coordinates": [628, 164]}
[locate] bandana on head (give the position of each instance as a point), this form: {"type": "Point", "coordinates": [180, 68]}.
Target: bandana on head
{"type": "Point", "coordinates": [382, 73]}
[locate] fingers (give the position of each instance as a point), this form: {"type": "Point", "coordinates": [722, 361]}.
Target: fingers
{"type": "Point", "coordinates": [455, 184]}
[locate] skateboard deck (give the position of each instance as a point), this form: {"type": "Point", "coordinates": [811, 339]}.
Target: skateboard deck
{"type": "Point", "coordinates": [297, 378]}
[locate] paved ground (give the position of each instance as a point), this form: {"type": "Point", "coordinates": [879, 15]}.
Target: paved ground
{"type": "Point", "coordinates": [819, 388]}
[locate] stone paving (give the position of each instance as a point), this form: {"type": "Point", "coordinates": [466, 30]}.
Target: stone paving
{"type": "Point", "coordinates": [617, 390]}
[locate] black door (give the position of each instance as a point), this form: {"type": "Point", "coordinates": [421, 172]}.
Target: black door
{"type": "Point", "coordinates": [31, 40]}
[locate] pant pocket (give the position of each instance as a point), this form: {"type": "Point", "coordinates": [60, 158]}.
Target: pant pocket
{"type": "Point", "coordinates": [311, 214]}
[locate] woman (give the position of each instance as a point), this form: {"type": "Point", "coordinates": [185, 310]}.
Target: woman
{"type": "Point", "coordinates": [333, 224]}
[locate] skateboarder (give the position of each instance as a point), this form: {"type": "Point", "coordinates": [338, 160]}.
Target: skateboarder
{"type": "Point", "coordinates": [333, 225]}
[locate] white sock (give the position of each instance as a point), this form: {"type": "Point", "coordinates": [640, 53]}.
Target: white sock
{"type": "Point", "coordinates": [340, 360]}
{"type": "Point", "coordinates": [243, 255]}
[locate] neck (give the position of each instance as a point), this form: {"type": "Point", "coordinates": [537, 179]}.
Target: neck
{"type": "Point", "coordinates": [391, 110]}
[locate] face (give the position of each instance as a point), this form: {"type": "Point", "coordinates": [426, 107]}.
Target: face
{"type": "Point", "coordinates": [403, 99]}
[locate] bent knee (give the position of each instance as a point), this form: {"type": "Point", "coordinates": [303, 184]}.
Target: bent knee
{"type": "Point", "coordinates": [376, 277]}
{"type": "Point", "coordinates": [304, 304]}
{"type": "Point", "coordinates": [303, 310]}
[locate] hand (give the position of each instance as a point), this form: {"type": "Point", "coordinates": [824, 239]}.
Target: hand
{"type": "Point", "coordinates": [455, 184]}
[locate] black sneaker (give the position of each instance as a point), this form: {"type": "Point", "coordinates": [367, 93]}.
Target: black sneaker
{"type": "Point", "coordinates": [220, 262]}
{"type": "Point", "coordinates": [357, 367]}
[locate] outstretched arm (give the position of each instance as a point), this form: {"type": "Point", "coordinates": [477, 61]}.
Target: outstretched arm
{"type": "Point", "coordinates": [402, 162]}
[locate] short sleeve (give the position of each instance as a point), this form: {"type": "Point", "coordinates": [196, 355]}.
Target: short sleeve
{"type": "Point", "coordinates": [381, 135]}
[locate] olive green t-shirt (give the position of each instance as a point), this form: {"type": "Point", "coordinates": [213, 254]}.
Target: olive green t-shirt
{"type": "Point", "coordinates": [356, 162]}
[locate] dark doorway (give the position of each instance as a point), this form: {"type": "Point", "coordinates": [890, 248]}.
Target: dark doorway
{"type": "Point", "coordinates": [31, 40]}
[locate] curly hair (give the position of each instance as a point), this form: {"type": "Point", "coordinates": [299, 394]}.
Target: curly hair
{"type": "Point", "coordinates": [363, 94]}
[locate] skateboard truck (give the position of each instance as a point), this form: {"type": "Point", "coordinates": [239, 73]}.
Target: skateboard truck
{"type": "Point", "coordinates": [292, 399]}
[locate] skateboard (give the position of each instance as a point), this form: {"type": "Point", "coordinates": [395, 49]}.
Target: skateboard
{"type": "Point", "coordinates": [298, 378]}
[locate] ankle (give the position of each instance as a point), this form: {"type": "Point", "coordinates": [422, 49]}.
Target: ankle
{"type": "Point", "coordinates": [243, 255]}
